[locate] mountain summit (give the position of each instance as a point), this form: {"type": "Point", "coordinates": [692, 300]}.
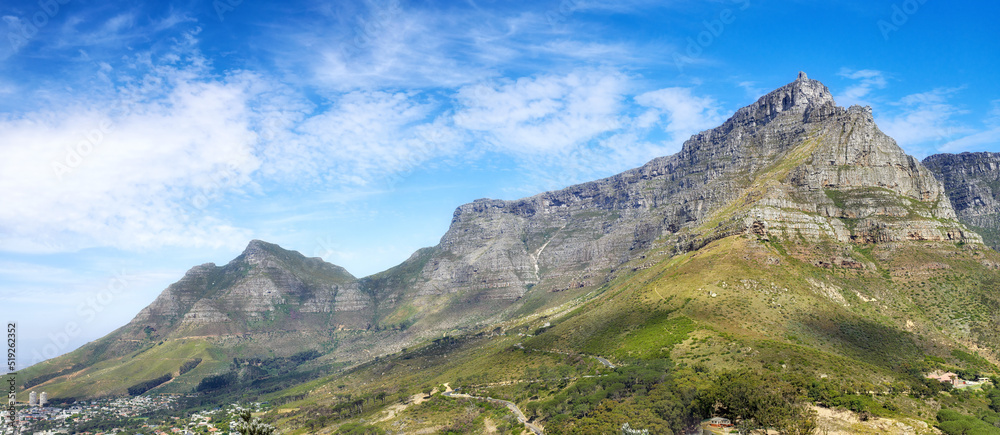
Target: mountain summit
{"type": "Point", "coordinates": [804, 94]}
{"type": "Point", "coordinates": [795, 177]}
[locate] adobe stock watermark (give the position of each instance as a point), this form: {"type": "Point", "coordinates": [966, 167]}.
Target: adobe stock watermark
{"type": "Point", "coordinates": [91, 140]}
{"type": "Point", "coordinates": [28, 29]}
{"type": "Point", "coordinates": [10, 406]}
{"type": "Point", "coordinates": [900, 14]}
{"type": "Point", "coordinates": [87, 311]}
{"type": "Point", "coordinates": [225, 177]}
{"type": "Point", "coordinates": [427, 143]}
{"type": "Point", "coordinates": [366, 31]}
{"type": "Point", "coordinates": [563, 12]}
{"type": "Point", "coordinates": [325, 250]}
{"type": "Point", "coordinates": [713, 30]}
{"type": "Point", "coordinates": [76, 154]}
{"type": "Point", "coordinates": [223, 7]}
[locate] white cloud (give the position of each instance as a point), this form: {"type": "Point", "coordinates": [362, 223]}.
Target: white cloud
{"type": "Point", "coordinates": [85, 175]}
{"type": "Point", "coordinates": [923, 117]}
{"type": "Point", "coordinates": [388, 47]}
{"type": "Point", "coordinates": [868, 80]}
{"type": "Point", "coordinates": [753, 91]}
{"type": "Point", "coordinates": [184, 141]}
{"type": "Point", "coordinates": [685, 114]}
{"type": "Point", "coordinates": [365, 137]}
{"type": "Point", "coordinates": [982, 140]}
{"type": "Point", "coordinates": [531, 119]}
{"type": "Point", "coordinates": [151, 162]}
{"type": "Point", "coordinates": [972, 142]}
{"type": "Point", "coordinates": [543, 114]}
{"type": "Point", "coordinates": [993, 117]}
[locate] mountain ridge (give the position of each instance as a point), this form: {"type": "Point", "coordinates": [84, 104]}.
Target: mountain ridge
{"type": "Point", "coordinates": [973, 184]}
{"type": "Point", "coordinates": [820, 175]}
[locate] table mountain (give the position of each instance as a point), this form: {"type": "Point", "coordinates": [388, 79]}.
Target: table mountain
{"type": "Point", "coordinates": [790, 165]}
{"type": "Point", "coordinates": [820, 183]}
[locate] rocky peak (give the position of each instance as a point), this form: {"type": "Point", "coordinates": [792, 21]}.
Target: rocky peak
{"type": "Point", "coordinates": [792, 165]}
{"type": "Point", "coordinates": [804, 95]}
{"type": "Point", "coordinates": [257, 252]}
{"type": "Point", "coordinates": [265, 283]}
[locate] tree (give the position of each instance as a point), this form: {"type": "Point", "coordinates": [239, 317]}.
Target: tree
{"type": "Point", "coordinates": [246, 424]}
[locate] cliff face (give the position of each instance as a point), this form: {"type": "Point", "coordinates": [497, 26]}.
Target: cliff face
{"type": "Point", "coordinates": [972, 181]}
{"type": "Point", "coordinates": [266, 287]}
{"type": "Point", "coordinates": [792, 168]}
{"type": "Point", "coordinates": [792, 165]}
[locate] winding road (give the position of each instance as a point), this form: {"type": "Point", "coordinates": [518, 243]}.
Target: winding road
{"type": "Point", "coordinates": [604, 361]}
{"type": "Point", "coordinates": [601, 360]}
{"type": "Point", "coordinates": [510, 405]}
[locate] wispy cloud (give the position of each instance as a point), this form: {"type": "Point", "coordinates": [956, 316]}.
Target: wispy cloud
{"type": "Point", "coordinates": [679, 112]}
{"type": "Point", "coordinates": [753, 90]}
{"type": "Point", "coordinates": [867, 81]}
{"type": "Point", "coordinates": [993, 117]}
{"type": "Point", "coordinates": [973, 142]}
{"type": "Point", "coordinates": [120, 168]}
{"type": "Point", "coordinates": [924, 117]}
{"type": "Point", "coordinates": [984, 139]}
{"type": "Point", "coordinates": [364, 137]}
{"type": "Point", "coordinates": [543, 114]}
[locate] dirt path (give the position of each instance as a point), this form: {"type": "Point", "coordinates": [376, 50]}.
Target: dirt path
{"type": "Point", "coordinates": [601, 360]}
{"type": "Point", "coordinates": [510, 405]}
{"type": "Point", "coordinates": [842, 422]}
{"type": "Point", "coordinates": [393, 410]}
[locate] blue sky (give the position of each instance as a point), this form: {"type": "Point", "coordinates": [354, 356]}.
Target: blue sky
{"type": "Point", "coordinates": [138, 139]}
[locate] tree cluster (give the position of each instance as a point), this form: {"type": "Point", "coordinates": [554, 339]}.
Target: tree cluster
{"type": "Point", "coordinates": [145, 386]}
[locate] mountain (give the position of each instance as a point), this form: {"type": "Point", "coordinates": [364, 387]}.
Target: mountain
{"type": "Point", "coordinates": [268, 302]}
{"type": "Point", "coordinates": [796, 240]}
{"type": "Point", "coordinates": [265, 285]}
{"type": "Point", "coordinates": [972, 181]}
{"type": "Point", "coordinates": [796, 234]}
{"type": "Point", "coordinates": [790, 165]}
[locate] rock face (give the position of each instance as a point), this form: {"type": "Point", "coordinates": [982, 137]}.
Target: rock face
{"type": "Point", "coordinates": [792, 166]}
{"type": "Point", "coordinates": [972, 181]}
{"type": "Point", "coordinates": [266, 287]}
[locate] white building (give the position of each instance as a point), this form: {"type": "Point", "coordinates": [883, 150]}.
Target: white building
{"type": "Point", "coordinates": [33, 399]}
{"type": "Point", "coordinates": [43, 399]}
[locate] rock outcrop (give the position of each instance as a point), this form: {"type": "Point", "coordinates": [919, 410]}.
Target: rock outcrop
{"type": "Point", "coordinates": [266, 287]}
{"type": "Point", "coordinates": [792, 165]}
{"type": "Point", "coordinates": [972, 181]}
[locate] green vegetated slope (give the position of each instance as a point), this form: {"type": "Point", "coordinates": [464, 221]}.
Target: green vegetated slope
{"type": "Point", "coordinates": [829, 269]}
{"type": "Point", "coordinates": [115, 376]}
{"type": "Point", "coordinates": [740, 303]}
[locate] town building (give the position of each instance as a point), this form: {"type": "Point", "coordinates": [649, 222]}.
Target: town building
{"type": "Point", "coordinates": [719, 422]}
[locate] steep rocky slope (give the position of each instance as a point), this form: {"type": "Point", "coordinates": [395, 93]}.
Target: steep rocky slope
{"type": "Point", "coordinates": [791, 165]}
{"type": "Point", "coordinates": [972, 181]}
{"type": "Point", "coordinates": [266, 291]}
{"type": "Point", "coordinates": [792, 169]}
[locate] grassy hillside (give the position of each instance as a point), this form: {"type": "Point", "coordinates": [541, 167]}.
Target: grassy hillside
{"type": "Point", "coordinates": [859, 336]}
{"type": "Point", "coordinates": [114, 376]}
{"type": "Point", "coordinates": [842, 325]}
